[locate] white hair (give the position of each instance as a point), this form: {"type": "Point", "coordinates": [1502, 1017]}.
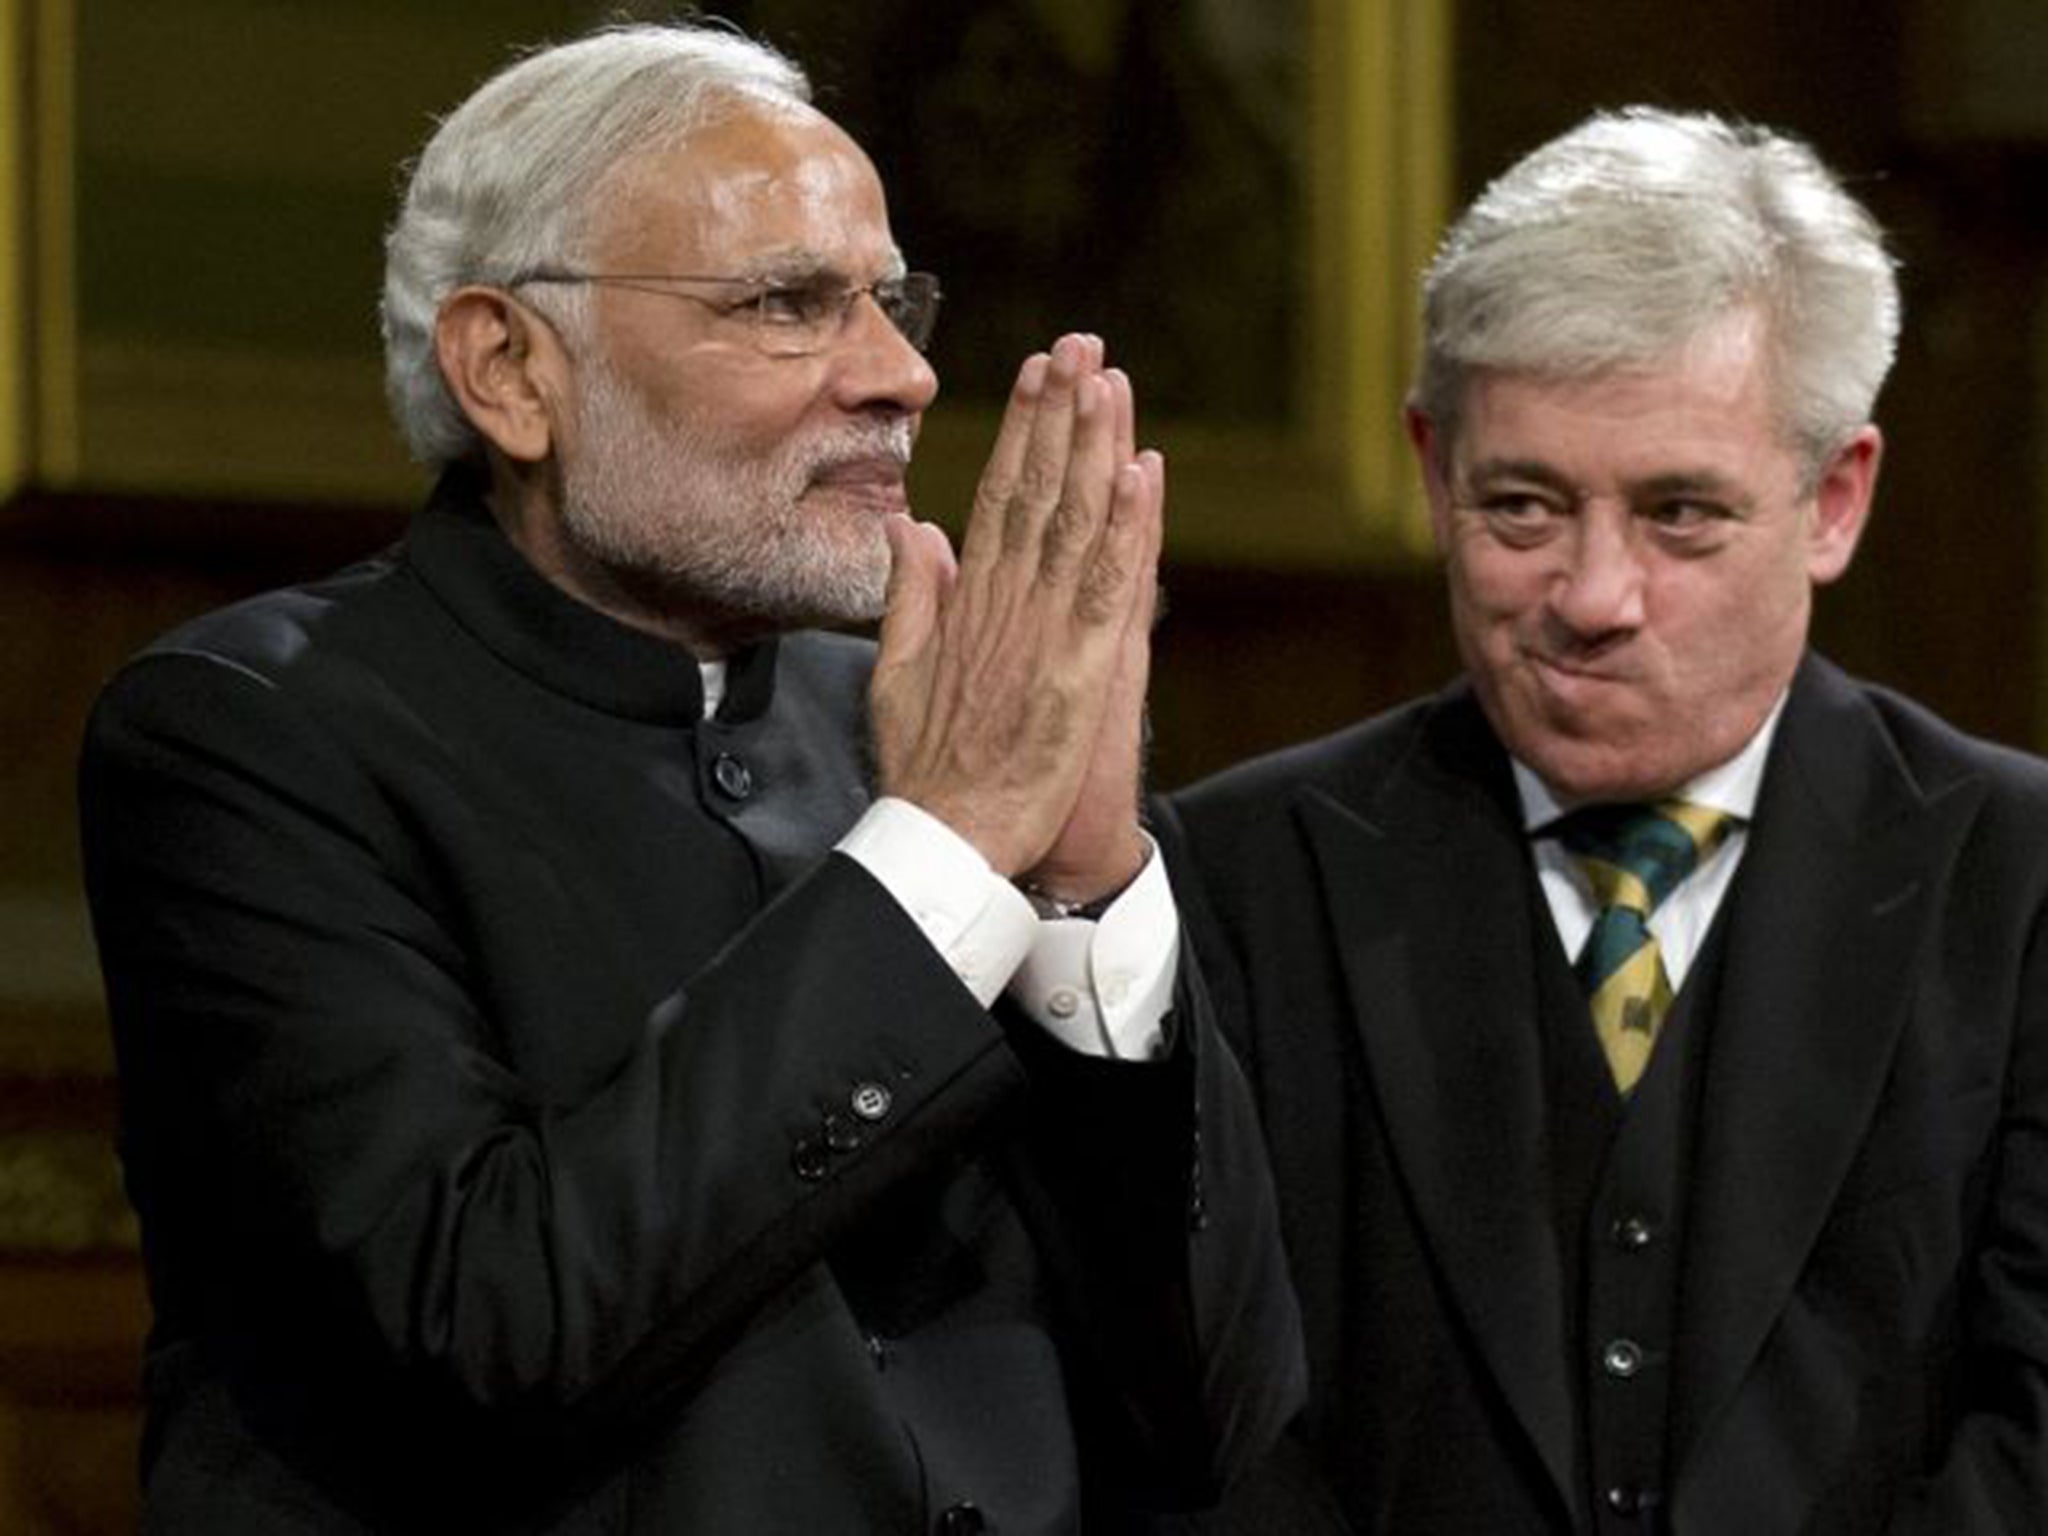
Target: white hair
{"type": "Point", "coordinates": [1624, 239]}
{"type": "Point", "coordinates": [509, 181]}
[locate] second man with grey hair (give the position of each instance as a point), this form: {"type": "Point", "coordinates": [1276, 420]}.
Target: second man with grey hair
{"type": "Point", "coordinates": [1653, 1025]}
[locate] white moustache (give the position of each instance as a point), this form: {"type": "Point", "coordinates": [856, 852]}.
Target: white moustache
{"type": "Point", "coordinates": [879, 446]}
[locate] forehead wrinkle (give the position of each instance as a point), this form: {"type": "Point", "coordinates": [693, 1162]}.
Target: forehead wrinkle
{"type": "Point", "coordinates": [1508, 468]}
{"type": "Point", "coordinates": [804, 184]}
{"type": "Point", "coordinates": [745, 183]}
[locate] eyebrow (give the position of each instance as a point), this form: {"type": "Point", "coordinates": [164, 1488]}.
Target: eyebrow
{"type": "Point", "coordinates": [800, 264]}
{"type": "Point", "coordinates": [1703, 483]}
{"type": "Point", "coordinates": [1698, 483]}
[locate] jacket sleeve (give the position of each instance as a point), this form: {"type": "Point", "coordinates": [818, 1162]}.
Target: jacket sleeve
{"type": "Point", "coordinates": [1149, 1189]}
{"type": "Point", "coordinates": [1991, 1477]}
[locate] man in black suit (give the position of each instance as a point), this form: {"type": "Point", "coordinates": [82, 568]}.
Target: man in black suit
{"type": "Point", "coordinates": [1724, 1218]}
{"type": "Point", "coordinates": [560, 1093]}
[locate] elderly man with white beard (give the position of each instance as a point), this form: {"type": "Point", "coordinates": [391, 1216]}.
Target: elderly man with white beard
{"type": "Point", "coordinates": [601, 1051]}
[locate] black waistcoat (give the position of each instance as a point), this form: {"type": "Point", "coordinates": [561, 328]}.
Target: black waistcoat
{"type": "Point", "coordinates": [1618, 1183]}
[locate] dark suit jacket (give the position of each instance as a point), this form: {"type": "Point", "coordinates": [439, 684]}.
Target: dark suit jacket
{"type": "Point", "coordinates": [534, 1127]}
{"type": "Point", "coordinates": [1862, 1337]}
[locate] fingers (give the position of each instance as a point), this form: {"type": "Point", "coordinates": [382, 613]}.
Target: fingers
{"type": "Point", "coordinates": [920, 569]}
{"type": "Point", "coordinates": [1071, 407]}
{"type": "Point", "coordinates": [1090, 473]}
{"type": "Point", "coordinates": [997, 682]}
{"type": "Point", "coordinates": [1021, 486]}
{"type": "Point", "coordinates": [1149, 514]}
{"type": "Point", "coordinates": [1070, 535]}
{"type": "Point", "coordinates": [1120, 578]}
{"type": "Point", "coordinates": [1100, 846]}
{"type": "Point", "coordinates": [1045, 499]}
{"type": "Point", "coordinates": [1126, 414]}
{"type": "Point", "coordinates": [1005, 468]}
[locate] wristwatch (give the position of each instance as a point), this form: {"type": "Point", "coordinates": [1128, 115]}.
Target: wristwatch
{"type": "Point", "coordinates": [1051, 908]}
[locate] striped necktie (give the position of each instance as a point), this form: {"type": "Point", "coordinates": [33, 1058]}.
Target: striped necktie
{"type": "Point", "coordinates": [1634, 856]}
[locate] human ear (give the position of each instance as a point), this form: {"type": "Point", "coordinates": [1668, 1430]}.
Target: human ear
{"type": "Point", "coordinates": [504, 367]}
{"type": "Point", "coordinates": [1841, 505]}
{"type": "Point", "coordinates": [1430, 448]}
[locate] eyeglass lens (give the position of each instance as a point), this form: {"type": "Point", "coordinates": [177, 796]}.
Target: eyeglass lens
{"type": "Point", "coordinates": [910, 303]}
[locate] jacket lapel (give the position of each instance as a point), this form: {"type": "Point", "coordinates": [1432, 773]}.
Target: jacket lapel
{"type": "Point", "coordinates": [1839, 879]}
{"type": "Point", "coordinates": [1438, 971]}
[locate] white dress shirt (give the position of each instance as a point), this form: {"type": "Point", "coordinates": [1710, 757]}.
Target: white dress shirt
{"type": "Point", "coordinates": [1682, 919]}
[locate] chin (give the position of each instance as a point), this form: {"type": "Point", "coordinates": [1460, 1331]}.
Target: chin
{"type": "Point", "coordinates": [1580, 771]}
{"type": "Point", "coordinates": [853, 592]}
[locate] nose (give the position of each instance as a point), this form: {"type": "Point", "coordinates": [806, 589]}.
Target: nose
{"type": "Point", "coordinates": [877, 365]}
{"type": "Point", "coordinates": [1599, 591]}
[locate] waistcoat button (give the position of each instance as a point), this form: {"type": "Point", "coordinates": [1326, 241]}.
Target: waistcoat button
{"type": "Point", "coordinates": [1622, 1357]}
{"type": "Point", "coordinates": [1624, 1500]}
{"type": "Point", "coordinates": [1632, 1234]}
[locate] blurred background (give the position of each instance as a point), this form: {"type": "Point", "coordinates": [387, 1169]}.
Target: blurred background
{"type": "Point", "coordinates": [1236, 193]}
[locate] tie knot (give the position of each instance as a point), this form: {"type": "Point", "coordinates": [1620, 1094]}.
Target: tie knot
{"type": "Point", "coordinates": [1636, 855]}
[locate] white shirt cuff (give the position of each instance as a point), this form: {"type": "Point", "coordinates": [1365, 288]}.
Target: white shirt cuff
{"type": "Point", "coordinates": [980, 923]}
{"type": "Point", "coordinates": [1104, 988]}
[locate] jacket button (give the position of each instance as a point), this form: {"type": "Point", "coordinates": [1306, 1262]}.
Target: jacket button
{"type": "Point", "coordinates": [1624, 1500]}
{"type": "Point", "coordinates": [1622, 1358]}
{"type": "Point", "coordinates": [870, 1101]}
{"type": "Point", "coordinates": [1632, 1234]}
{"type": "Point", "coordinates": [841, 1134]}
{"type": "Point", "coordinates": [810, 1160]}
{"type": "Point", "coordinates": [963, 1519]}
{"type": "Point", "coordinates": [731, 776]}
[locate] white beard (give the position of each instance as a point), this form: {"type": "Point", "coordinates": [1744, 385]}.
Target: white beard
{"type": "Point", "coordinates": [674, 515]}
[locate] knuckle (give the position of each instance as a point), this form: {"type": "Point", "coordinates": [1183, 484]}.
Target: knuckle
{"type": "Point", "coordinates": [1040, 481]}
{"type": "Point", "coordinates": [1065, 533]}
{"type": "Point", "coordinates": [1097, 600]}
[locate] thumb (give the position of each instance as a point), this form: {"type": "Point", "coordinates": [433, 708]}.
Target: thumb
{"type": "Point", "coordinates": [921, 568]}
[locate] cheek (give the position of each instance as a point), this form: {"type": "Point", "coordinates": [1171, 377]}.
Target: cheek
{"type": "Point", "coordinates": [1723, 615]}
{"type": "Point", "coordinates": [1491, 589]}
{"type": "Point", "coordinates": [729, 396]}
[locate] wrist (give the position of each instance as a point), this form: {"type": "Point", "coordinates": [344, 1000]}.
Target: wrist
{"type": "Point", "coordinates": [1072, 894]}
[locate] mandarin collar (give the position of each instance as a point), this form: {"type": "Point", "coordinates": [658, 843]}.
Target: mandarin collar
{"type": "Point", "coordinates": [463, 557]}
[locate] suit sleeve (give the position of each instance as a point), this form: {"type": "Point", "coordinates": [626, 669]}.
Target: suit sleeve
{"type": "Point", "coordinates": [1283, 1488]}
{"type": "Point", "coordinates": [316, 1117]}
{"type": "Point", "coordinates": [1993, 1474]}
{"type": "Point", "coordinates": [1148, 1187]}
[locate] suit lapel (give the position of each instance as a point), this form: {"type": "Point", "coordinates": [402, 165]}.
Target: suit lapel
{"type": "Point", "coordinates": [1438, 971]}
{"type": "Point", "coordinates": [1837, 883]}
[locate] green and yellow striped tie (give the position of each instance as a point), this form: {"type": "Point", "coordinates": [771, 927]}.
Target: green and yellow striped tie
{"type": "Point", "coordinates": [1634, 856]}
